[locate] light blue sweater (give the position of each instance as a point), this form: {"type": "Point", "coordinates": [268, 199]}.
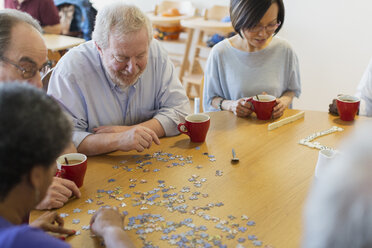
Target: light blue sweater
{"type": "Point", "coordinates": [233, 74]}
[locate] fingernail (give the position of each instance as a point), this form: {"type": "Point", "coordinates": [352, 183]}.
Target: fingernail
{"type": "Point", "coordinates": [62, 238]}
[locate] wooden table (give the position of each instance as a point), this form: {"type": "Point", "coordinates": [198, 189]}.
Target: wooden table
{"type": "Point", "coordinates": [58, 44]}
{"type": "Point", "coordinates": [269, 184]}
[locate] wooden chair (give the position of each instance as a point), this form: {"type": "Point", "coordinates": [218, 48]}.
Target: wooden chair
{"type": "Point", "coordinates": [194, 79]}
{"type": "Point", "coordinates": [185, 8]}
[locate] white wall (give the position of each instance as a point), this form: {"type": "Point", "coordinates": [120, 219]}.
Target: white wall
{"type": "Point", "coordinates": [333, 41]}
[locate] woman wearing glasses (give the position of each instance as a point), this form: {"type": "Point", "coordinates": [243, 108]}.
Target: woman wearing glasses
{"type": "Point", "coordinates": [253, 61]}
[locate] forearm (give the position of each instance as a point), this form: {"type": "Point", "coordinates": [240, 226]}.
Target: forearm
{"type": "Point", "coordinates": [155, 126]}
{"type": "Point", "coordinates": [53, 29]}
{"type": "Point", "coordinates": [95, 144]}
{"type": "Point", "coordinates": [116, 237]}
{"type": "Point", "coordinates": [287, 98]}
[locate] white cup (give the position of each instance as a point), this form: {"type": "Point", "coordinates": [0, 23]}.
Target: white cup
{"type": "Point", "coordinates": [325, 157]}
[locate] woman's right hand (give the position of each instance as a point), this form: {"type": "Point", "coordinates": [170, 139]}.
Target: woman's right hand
{"type": "Point", "coordinates": [241, 107]}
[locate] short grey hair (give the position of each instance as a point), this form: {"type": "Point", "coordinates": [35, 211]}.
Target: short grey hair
{"type": "Point", "coordinates": [8, 19]}
{"type": "Point", "coordinates": [33, 132]}
{"type": "Point", "coordinates": [118, 19]}
{"type": "Point", "coordinates": [338, 212]}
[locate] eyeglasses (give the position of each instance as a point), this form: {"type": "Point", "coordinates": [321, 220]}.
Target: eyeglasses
{"type": "Point", "coordinates": [268, 28]}
{"type": "Point", "coordinates": [28, 68]}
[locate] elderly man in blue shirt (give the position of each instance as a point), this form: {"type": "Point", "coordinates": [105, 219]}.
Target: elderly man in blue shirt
{"type": "Point", "coordinates": [120, 89]}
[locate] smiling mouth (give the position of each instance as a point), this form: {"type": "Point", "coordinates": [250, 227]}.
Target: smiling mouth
{"type": "Point", "coordinates": [261, 40]}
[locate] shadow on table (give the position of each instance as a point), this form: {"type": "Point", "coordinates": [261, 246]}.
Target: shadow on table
{"type": "Point", "coordinates": [345, 123]}
{"type": "Point", "coordinates": [186, 144]}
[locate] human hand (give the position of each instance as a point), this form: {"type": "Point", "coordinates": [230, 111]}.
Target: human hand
{"type": "Point", "coordinates": [137, 138]}
{"type": "Point", "coordinates": [241, 107]}
{"type": "Point", "coordinates": [111, 129]}
{"type": "Point", "coordinates": [104, 219]}
{"type": "Point", "coordinates": [58, 194]}
{"type": "Point", "coordinates": [333, 108]}
{"type": "Point", "coordinates": [51, 222]}
{"type": "Point", "coordinates": [279, 108]}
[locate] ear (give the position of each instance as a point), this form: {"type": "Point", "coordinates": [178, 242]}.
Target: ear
{"type": "Point", "coordinates": [36, 176]}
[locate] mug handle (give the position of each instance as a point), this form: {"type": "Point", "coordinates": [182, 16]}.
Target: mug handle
{"type": "Point", "coordinates": [250, 100]}
{"type": "Point", "coordinates": [182, 129]}
{"type": "Point", "coordinates": [60, 173]}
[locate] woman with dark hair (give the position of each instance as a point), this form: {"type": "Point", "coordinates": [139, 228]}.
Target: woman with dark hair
{"type": "Point", "coordinates": [33, 132]}
{"type": "Point", "coordinates": [252, 62]}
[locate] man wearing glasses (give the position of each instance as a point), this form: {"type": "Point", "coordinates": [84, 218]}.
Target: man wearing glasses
{"type": "Point", "coordinates": [23, 57]}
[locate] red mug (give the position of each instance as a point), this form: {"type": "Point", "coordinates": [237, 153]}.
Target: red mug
{"type": "Point", "coordinates": [74, 170]}
{"type": "Point", "coordinates": [196, 126]}
{"type": "Point", "coordinates": [347, 107]}
{"type": "Point", "coordinates": [263, 106]}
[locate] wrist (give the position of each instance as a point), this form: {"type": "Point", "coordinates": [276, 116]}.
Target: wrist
{"type": "Point", "coordinates": [111, 231]}
{"type": "Point", "coordinates": [220, 107]}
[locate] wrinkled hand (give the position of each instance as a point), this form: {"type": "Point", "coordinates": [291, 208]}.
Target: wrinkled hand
{"type": "Point", "coordinates": [333, 107]}
{"type": "Point", "coordinates": [279, 108]}
{"type": "Point", "coordinates": [104, 219]}
{"type": "Point", "coordinates": [111, 129]}
{"type": "Point", "coordinates": [51, 222]}
{"type": "Point", "coordinates": [58, 194]}
{"type": "Point", "coordinates": [241, 107]}
{"type": "Point", "coordinates": [137, 138]}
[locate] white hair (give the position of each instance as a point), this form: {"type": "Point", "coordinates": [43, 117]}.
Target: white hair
{"type": "Point", "coordinates": [338, 211]}
{"type": "Point", "coordinates": [118, 19]}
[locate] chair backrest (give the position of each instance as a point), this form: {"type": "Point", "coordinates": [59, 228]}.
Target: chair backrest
{"type": "Point", "coordinates": [184, 7]}
{"type": "Point", "coordinates": [45, 80]}
{"type": "Point", "coordinates": [216, 12]}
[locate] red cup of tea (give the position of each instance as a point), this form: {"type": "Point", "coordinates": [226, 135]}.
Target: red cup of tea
{"type": "Point", "coordinates": [196, 126]}
{"type": "Point", "coordinates": [72, 166]}
{"type": "Point", "coordinates": [347, 107]}
{"type": "Point", "coordinates": [262, 106]}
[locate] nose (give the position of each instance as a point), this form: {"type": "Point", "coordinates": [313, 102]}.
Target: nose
{"type": "Point", "coordinates": [36, 81]}
{"type": "Point", "coordinates": [131, 65]}
{"type": "Point", "coordinates": [262, 32]}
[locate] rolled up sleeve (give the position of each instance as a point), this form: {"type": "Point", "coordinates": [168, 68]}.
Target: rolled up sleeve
{"type": "Point", "coordinates": [64, 89]}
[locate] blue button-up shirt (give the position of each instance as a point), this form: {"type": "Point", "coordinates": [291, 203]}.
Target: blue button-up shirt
{"type": "Point", "coordinates": [84, 89]}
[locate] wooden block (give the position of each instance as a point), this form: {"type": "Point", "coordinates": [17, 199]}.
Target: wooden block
{"type": "Point", "coordinates": [286, 120]}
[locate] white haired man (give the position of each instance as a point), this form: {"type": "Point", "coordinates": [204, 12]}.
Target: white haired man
{"type": "Point", "coordinates": [120, 89]}
{"type": "Point", "coordinates": [23, 55]}
{"type": "Point", "coordinates": [338, 211]}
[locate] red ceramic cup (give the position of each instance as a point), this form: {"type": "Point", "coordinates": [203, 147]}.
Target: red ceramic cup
{"type": "Point", "coordinates": [196, 126]}
{"type": "Point", "coordinates": [263, 106]}
{"type": "Point", "coordinates": [347, 107]}
{"type": "Point", "coordinates": [74, 170]}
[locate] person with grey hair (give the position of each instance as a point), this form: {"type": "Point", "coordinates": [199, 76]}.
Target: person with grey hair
{"type": "Point", "coordinates": [23, 56]}
{"type": "Point", "coordinates": [338, 211]}
{"type": "Point", "coordinates": [120, 89]}
{"type": "Point", "coordinates": [33, 132]}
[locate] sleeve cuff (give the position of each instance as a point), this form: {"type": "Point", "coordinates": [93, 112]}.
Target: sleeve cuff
{"type": "Point", "coordinates": [78, 137]}
{"type": "Point", "coordinates": [169, 125]}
